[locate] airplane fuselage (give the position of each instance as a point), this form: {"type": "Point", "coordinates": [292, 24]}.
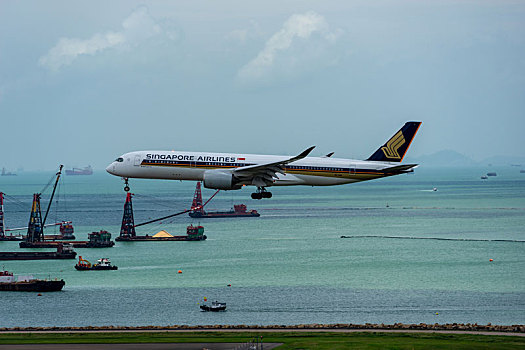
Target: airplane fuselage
{"type": "Point", "coordinates": [230, 171]}
{"type": "Point", "coordinates": [312, 171]}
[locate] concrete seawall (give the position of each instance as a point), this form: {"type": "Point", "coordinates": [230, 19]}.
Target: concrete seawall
{"type": "Point", "coordinates": [448, 327]}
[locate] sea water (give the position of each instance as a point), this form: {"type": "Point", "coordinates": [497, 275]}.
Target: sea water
{"type": "Point", "coordinates": [411, 254]}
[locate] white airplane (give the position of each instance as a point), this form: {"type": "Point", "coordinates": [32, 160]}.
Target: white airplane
{"type": "Point", "coordinates": [228, 171]}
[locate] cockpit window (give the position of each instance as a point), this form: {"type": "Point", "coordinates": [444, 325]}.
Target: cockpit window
{"type": "Point", "coordinates": [120, 160]}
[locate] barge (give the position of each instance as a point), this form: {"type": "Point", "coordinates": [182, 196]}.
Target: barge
{"type": "Point", "coordinates": [64, 251]}
{"type": "Point", "coordinates": [193, 233]}
{"type": "Point", "coordinates": [10, 283]}
{"type": "Point", "coordinates": [239, 210]}
{"type": "Point", "coordinates": [101, 239]}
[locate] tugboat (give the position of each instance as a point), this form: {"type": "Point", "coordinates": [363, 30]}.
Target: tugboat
{"type": "Point", "coordinates": [11, 283]}
{"type": "Point", "coordinates": [215, 306]}
{"type": "Point", "coordinates": [101, 264]}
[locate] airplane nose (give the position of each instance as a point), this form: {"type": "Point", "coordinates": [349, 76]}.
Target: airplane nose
{"type": "Point", "coordinates": [111, 169]}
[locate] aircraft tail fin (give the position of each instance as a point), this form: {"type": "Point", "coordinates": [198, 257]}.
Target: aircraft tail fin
{"type": "Point", "coordinates": [394, 149]}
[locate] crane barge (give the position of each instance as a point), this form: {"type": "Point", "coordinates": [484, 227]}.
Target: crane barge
{"type": "Point", "coordinates": [197, 209]}
{"type": "Point", "coordinates": [128, 233]}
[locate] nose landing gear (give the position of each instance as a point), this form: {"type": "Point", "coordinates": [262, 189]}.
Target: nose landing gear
{"type": "Point", "coordinates": [126, 184]}
{"type": "Point", "coordinates": [261, 193]}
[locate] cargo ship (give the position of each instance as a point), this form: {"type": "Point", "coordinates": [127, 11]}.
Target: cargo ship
{"type": "Point", "coordinates": [64, 251]}
{"type": "Point", "coordinates": [239, 210]}
{"type": "Point", "coordinates": [7, 173]}
{"type": "Point", "coordinates": [10, 283]}
{"type": "Point", "coordinates": [80, 171]}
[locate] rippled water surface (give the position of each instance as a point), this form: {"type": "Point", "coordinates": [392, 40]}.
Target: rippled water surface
{"type": "Point", "coordinates": [410, 253]}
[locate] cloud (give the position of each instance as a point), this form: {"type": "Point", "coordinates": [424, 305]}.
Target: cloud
{"type": "Point", "coordinates": [253, 32]}
{"type": "Point", "coordinates": [138, 28]}
{"type": "Point", "coordinates": [303, 44]}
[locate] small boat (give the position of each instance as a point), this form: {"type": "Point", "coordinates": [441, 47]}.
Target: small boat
{"type": "Point", "coordinates": [435, 189]}
{"type": "Point", "coordinates": [101, 264]}
{"type": "Point", "coordinates": [492, 174]}
{"type": "Point", "coordinates": [215, 306]}
{"type": "Point", "coordinates": [484, 177]}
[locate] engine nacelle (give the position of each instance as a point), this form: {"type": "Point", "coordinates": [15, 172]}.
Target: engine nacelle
{"type": "Point", "coordinates": [219, 180]}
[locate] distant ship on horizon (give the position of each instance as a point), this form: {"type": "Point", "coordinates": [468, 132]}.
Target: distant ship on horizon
{"type": "Point", "coordinates": [7, 173]}
{"type": "Point", "coordinates": [80, 171]}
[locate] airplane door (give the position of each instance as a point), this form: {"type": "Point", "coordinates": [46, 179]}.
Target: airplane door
{"type": "Point", "coordinates": [137, 160]}
{"type": "Point", "coordinates": [352, 169]}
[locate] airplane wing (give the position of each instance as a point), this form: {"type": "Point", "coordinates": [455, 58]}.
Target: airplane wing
{"type": "Point", "coordinates": [262, 175]}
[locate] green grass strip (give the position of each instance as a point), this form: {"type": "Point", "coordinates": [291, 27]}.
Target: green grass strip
{"type": "Point", "coordinates": [290, 340]}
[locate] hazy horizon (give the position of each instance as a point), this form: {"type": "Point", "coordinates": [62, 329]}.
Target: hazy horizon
{"type": "Point", "coordinates": [83, 82]}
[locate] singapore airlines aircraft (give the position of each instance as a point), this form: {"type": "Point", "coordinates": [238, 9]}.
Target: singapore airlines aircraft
{"type": "Point", "coordinates": [228, 171]}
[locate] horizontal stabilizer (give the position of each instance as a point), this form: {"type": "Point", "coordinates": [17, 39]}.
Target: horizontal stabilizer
{"type": "Point", "coordinates": [394, 149]}
{"type": "Point", "coordinates": [400, 168]}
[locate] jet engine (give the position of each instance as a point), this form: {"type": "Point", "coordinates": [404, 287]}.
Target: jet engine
{"type": "Point", "coordinates": [220, 180]}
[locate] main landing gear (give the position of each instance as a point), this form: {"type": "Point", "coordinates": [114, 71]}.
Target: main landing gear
{"type": "Point", "coordinates": [261, 193]}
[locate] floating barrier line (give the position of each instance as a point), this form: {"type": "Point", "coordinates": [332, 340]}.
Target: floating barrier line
{"type": "Point", "coordinates": [439, 239]}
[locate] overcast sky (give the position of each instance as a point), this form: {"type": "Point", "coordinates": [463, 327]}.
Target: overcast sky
{"type": "Point", "coordinates": [82, 82]}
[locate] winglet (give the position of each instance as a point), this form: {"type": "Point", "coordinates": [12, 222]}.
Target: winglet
{"type": "Point", "coordinates": [396, 147]}
{"type": "Point", "coordinates": [302, 155]}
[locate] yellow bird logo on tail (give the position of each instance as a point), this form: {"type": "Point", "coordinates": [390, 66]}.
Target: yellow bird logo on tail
{"type": "Point", "coordinates": [391, 147]}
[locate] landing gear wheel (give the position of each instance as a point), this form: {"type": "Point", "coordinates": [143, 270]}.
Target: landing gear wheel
{"type": "Point", "coordinates": [261, 193]}
{"type": "Point", "coordinates": [266, 194]}
{"type": "Point", "coordinates": [126, 184]}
